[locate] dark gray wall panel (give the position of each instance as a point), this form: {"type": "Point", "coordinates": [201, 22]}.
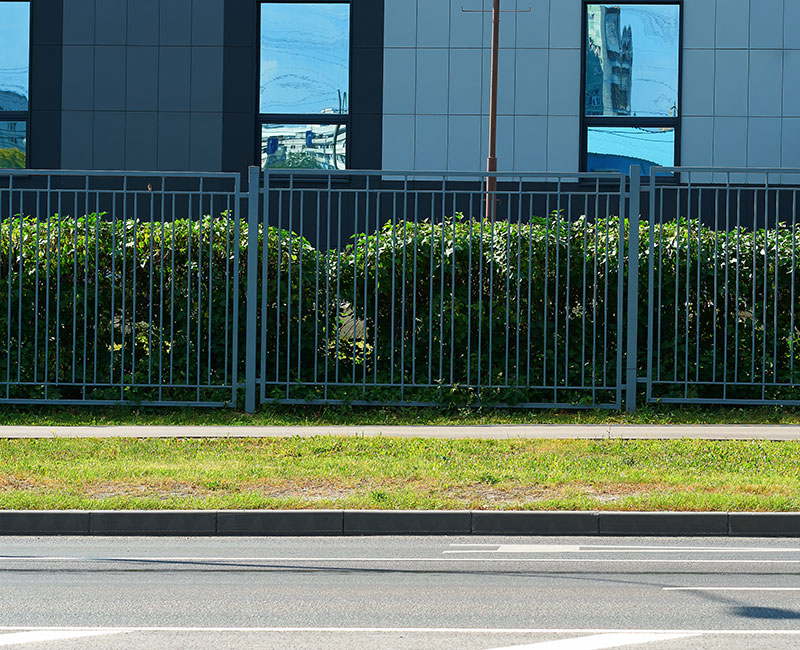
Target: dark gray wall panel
{"type": "Point", "coordinates": [175, 27]}
{"type": "Point", "coordinates": [206, 82]}
{"type": "Point", "coordinates": [208, 18]}
{"type": "Point", "coordinates": [205, 141]}
{"type": "Point", "coordinates": [109, 140]}
{"type": "Point", "coordinates": [174, 78]}
{"type": "Point", "coordinates": [173, 141]}
{"type": "Point", "coordinates": [142, 22]}
{"type": "Point", "coordinates": [77, 136]}
{"type": "Point", "coordinates": [79, 22]}
{"type": "Point", "coordinates": [109, 78]}
{"type": "Point", "coordinates": [110, 22]}
{"type": "Point", "coordinates": [78, 78]}
{"type": "Point", "coordinates": [141, 141]}
{"type": "Point", "coordinates": [142, 79]}
{"type": "Point", "coordinates": [44, 126]}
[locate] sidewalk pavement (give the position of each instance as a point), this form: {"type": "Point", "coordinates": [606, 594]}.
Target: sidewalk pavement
{"type": "Point", "coordinates": [496, 432]}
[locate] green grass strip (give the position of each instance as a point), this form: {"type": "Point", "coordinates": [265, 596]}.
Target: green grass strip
{"type": "Point", "coordinates": [328, 472]}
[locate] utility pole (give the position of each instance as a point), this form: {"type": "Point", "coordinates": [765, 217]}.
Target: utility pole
{"type": "Point", "coordinates": [491, 161]}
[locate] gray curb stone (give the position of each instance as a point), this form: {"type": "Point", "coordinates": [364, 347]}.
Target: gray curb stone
{"type": "Point", "coordinates": [280, 522]}
{"type": "Point", "coordinates": [387, 522]}
{"type": "Point", "coordinates": [663, 523]}
{"type": "Point", "coordinates": [153, 522]}
{"type": "Point", "coordinates": [764, 524]}
{"type": "Point", "coordinates": [534, 523]}
{"type": "Point", "coordinates": [44, 522]}
{"type": "Point", "coordinates": [404, 522]}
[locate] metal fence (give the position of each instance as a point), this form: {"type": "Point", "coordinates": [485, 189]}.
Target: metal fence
{"type": "Point", "coordinates": [577, 291]}
{"type": "Point", "coordinates": [720, 297]}
{"type": "Point", "coordinates": [119, 287]}
{"type": "Point", "coordinates": [395, 289]}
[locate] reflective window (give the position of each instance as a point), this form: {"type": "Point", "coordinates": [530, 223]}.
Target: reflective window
{"type": "Point", "coordinates": [632, 60]}
{"type": "Point", "coordinates": [13, 144]}
{"type": "Point", "coordinates": [14, 56]}
{"type": "Point", "coordinates": [303, 146]}
{"type": "Point", "coordinates": [305, 57]}
{"type": "Point", "coordinates": [616, 149]}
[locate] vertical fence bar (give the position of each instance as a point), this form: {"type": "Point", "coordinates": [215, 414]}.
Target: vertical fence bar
{"type": "Point", "coordinates": [254, 179]}
{"type": "Point", "coordinates": [633, 286]}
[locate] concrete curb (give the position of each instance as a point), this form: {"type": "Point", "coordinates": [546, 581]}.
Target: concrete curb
{"type": "Point", "coordinates": [388, 522]}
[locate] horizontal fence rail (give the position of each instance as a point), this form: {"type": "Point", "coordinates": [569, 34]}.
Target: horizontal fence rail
{"type": "Point", "coordinates": [721, 264]}
{"type": "Point", "coordinates": [400, 288]}
{"type": "Point", "coordinates": [396, 289]}
{"type": "Point", "coordinates": [119, 287]}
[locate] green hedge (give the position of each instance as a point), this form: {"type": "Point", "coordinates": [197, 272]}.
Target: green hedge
{"type": "Point", "coordinates": [454, 311]}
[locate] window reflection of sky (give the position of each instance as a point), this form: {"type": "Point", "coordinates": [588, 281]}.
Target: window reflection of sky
{"type": "Point", "coordinates": [655, 30]}
{"type": "Point", "coordinates": [304, 57]}
{"type": "Point", "coordinates": [14, 52]}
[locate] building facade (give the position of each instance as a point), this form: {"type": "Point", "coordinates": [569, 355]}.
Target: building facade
{"type": "Point", "coordinates": [218, 85]}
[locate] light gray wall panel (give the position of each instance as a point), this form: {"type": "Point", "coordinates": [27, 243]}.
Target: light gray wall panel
{"type": "Point", "coordinates": [698, 19]}
{"type": "Point", "coordinates": [398, 142]}
{"type": "Point", "coordinates": [697, 140]}
{"type": "Point", "coordinates": [531, 74]}
{"type": "Point", "coordinates": [790, 142]}
{"type": "Point", "coordinates": [791, 82]}
{"type": "Point", "coordinates": [565, 24]}
{"type": "Point", "coordinates": [730, 142]}
{"type": "Point", "coordinates": [766, 80]}
{"type": "Point", "coordinates": [432, 68]}
{"type": "Point", "coordinates": [400, 18]}
{"type": "Point", "coordinates": [208, 17]}
{"type": "Point", "coordinates": [431, 142]}
{"type": "Point", "coordinates": [532, 29]}
{"type": "Point", "coordinates": [400, 79]}
{"type": "Point", "coordinates": [530, 152]}
{"type": "Point", "coordinates": [174, 78]}
{"type": "Point", "coordinates": [466, 29]}
{"type": "Point", "coordinates": [766, 24]}
{"type": "Point", "coordinates": [698, 87]}
{"type": "Point", "coordinates": [562, 143]}
{"type": "Point", "coordinates": [564, 93]}
{"type": "Point", "coordinates": [174, 141]}
{"type": "Point", "coordinates": [174, 26]}
{"type": "Point", "coordinates": [764, 142]}
{"type": "Point", "coordinates": [733, 23]}
{"type": "Point", "coordinates": [731, 87]}
{"type": "Point", "coordinates": [466, 81]}
{"type": "Point", "coordinates": [791, 19]}
{"type": "Point", "coordinates": [464, 148]}
{"type": "Point", "coordinates": [433, 23]}
{"type": "Point", "coordinates": [110, 22]}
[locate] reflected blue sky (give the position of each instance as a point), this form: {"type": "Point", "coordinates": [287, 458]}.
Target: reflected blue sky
{"type": "Point", "coordinates": [655, 33]}
{"type": "Point", "coordinates": [617, 148]}
{"type": "Point", "coordinates": [14, 54]}
{"type": "Point", "coordinates": [305, 55]}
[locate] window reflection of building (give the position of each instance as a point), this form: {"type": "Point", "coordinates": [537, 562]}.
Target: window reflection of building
{"type": "Point", "coordinates": [609, 63]}
{"type": "Point", "coordinates": [304, 146]}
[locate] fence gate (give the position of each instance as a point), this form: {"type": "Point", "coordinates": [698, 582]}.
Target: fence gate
{"type": "Point", "coordinates": [119, 287]}
{"type": "Point", "coordinates": [393, 288]}
{"type": "Point", "coordinates": [721, 288]}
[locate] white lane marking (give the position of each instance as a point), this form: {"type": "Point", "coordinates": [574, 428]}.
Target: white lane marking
{"type": "Point", "coordinates": [575, 548]}
{"type": "Point", "coordinates": [598, 642]}
{"type": "Point", "coordinates": [411, 630]}
{"type": "Point", "coordinates": [42, 636]}
{"type": "Point", "coordinates": [731, 588]}
{"type": "Point", "coordinates": [391, 560]}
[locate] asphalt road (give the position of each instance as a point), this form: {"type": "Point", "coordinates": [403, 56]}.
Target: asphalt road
{"type": "Point", "coordinates": [399, 592]}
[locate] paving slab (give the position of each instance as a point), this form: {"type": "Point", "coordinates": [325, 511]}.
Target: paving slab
{"type": "Point", "coordinates": [478, 432]}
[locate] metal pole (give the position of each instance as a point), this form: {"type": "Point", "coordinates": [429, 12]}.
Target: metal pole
{"type": "Point", "coordinates": [633, 287]}
{"type": "Point", "coordinates": [251, 358]}
{"type": "Point", "coordinates": [491, 161]}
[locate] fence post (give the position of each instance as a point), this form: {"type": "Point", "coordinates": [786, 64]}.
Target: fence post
{"type": "Point", "coordinates": [635, 194]}
{"type": "Point", "coordinates": [251, 358]}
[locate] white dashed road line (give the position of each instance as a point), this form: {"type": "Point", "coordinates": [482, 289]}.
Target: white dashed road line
{"type": "Point", "coordinates": [39, 636]}
{"type": "Point", "coordinates": [598, 642]}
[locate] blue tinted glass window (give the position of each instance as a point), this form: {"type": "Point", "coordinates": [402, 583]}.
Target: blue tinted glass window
{"type": "Point", "coordinates": [13, 145]}
{"type": "Point", "coordinates": [616, 149]}
{"type": "Point", "coordinates": [305, 58]}
{"type": "Point", "coordinates": [14, 55]}
{"type": "Point", "coordinates": [303, 146]}
{"type": "Point", "coordinates": [632, 54]}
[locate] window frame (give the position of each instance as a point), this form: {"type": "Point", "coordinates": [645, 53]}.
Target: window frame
{"type": "Point", "coordinates": [587, 122]}
{"type": "Point", "coordinates": [23, 116]}
{"type": "Point", "coordinates": [303, 118]}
